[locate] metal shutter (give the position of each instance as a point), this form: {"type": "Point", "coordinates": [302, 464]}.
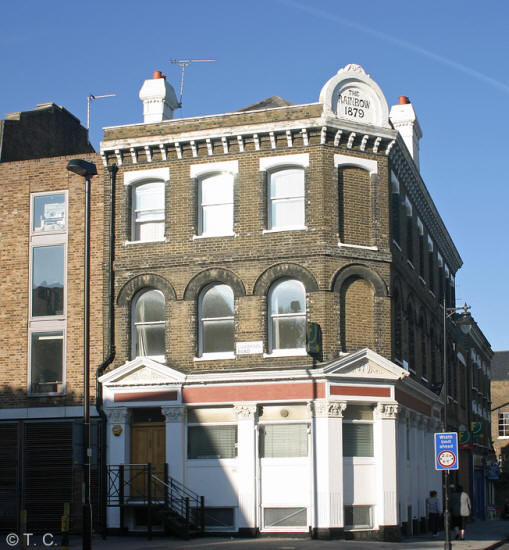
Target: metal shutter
{"type": "Point", "coordinates": [8, 477]}
{"type": "Point", "coordinates": [47, 468]}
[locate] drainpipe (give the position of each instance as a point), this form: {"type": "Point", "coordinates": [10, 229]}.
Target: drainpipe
{"type": "Point", "coordinates": [103, 483]}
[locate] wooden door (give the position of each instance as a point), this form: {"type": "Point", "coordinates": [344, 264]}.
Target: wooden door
{"type": "Point", "coordinates": [148, 445]}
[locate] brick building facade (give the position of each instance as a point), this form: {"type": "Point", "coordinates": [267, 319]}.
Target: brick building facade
{"type": "Point", "coordinates": [233, 232]}
{"type": "Point", "coordinates": [41, 336]}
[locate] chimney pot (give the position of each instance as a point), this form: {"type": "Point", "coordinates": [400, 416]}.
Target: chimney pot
{"type": "Point", "coordinates": [158, 74]}
{"type": "Point", "coordinates": [403, 100]}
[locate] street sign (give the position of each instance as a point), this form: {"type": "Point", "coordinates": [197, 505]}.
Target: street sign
{"type": "Point", "coordinates": [446, 451]}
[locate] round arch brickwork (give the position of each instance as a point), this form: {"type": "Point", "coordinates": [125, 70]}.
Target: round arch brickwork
{"type": "Point", "coordinates": [292, 271]}
{"type": "Point", "coordinates": [147, 280]}
{"type": "Point", "coordinates": [361, 272]}
{"type": "Point", "coordinates": [212, 275]}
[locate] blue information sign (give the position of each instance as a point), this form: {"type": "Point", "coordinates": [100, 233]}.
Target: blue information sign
{"type": "Point", "coordinates": [446, 451]}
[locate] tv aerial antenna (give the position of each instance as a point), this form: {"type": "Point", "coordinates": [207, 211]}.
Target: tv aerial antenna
{"type": "Point", "coordinates": [183, 63]}
{"type": "Point", "coordinates": [90, 98]}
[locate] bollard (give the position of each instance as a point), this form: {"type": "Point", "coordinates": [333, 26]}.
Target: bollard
{"type": "Point", "coordinates": [23, 525]}
{"type": "Point", "coordinates": [65, 526]}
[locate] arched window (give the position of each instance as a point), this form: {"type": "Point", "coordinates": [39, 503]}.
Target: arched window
{"type": "Point", "coordinates": [424, 347]}
{"type": "Point", "coordinates": [215, 199]}
{"type": "Point", "coordinates": [148, 211]}
{"type": "Point", "coordinates": [287, 316]}
{"type": "Point", "coordinates": [149, 324]}
{"type": "Point", "coordinates": [411, 338]}
{"type": "Point", "coordinates": [398, 328]}
{"type": "Point", "coordinates": [216, 314]}
{"type": "Point", "coordinates": [286, 199]}
{"type": "Point", "coordinates": [433, 353]}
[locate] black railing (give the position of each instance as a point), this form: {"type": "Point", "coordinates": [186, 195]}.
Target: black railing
{"type": "Point", "coordinates": [149, 485]}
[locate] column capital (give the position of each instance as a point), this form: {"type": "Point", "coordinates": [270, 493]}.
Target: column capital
{"type": "Point", "coordinates": [327, 409]}
{"type": "Point", "coordinates": [175, 413]}
{"type": "Point", "coordinates": [117, 415]}
{"type": "Point", "coordinates": [388, 411]}
{"type": "Point", "coordinates": [245, 411]}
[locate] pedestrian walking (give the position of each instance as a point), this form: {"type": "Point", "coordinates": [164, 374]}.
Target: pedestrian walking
{"type": "Point", "coordinates": [433, 510]}
{"type": "Point", "coordinates": [461, 508]}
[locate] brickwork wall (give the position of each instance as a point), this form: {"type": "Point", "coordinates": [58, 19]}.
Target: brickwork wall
{"type": "Point", "coordinates": [17, 181]}
{"type": "Point", "coordinates": [355, 212]}
{"type": "Point", "coordinates": [356, 303]}
{"type": "Point", "coordinates": [249, 254]}
{"type": "Point", "coordinates": [499, 398]}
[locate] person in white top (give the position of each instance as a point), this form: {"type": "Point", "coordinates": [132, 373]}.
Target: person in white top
{"type": "Point", "coordinates": [461, 508]}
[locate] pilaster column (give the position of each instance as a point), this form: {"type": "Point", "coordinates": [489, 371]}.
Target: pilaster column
{"type": "Point", "coordinates": [402, 452]}
{"type": "Point", "coordinates": [327, 453]}
{"type": "Point", "coordinates": [420, 464]}
{"type": "Point", "coordinates": [413, 418]}
{"type": "Point", "coordinates": [386, 463]}
{"type": "Point", "coordinates": [175, 417]}
{"type": "Point", "coordinates": [118, 439]}
{"type": "Point", "coordinates": [246, 470]}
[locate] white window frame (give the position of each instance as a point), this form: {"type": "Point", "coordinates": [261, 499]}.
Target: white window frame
{"type": "Point", "coordinates": [207, 461]}
{"type": "Point", "coordinates": [271, 200]}
{"type": "Point", "coordinates": [32, 212]}
{"type": "Point", "coordinates": [134, 324]}
{"type": "Point", "coordinates": [505, 416]}
{"type": "Point", "coordinates": [361, 527]}
{"type": "Point", "coordinates": [272, 165]}
{"type": "Point", "coordinates": [198, 172]}
{"type": "Point", "coordinates": [140, 177]}
{"type": "Point", "coordinates": [201, 179]}
{"type": "Point", "coordinates": [42, 328]}
{"type": "Point", "coordinates": [264, 424]}
{"type": "Point", "coordinates": [47, 323]}
{"type": "Point", "coordinates": [43, 242]}
{"type": "Point", "coordinates": [206, 356]}
{"type": "Point", "coordinates": [283, 352]}
{"type": "Point", "coordinates": [158, 217]}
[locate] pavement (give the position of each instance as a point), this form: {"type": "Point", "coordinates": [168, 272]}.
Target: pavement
{"type": "Point", "coordinates": [480, 535]}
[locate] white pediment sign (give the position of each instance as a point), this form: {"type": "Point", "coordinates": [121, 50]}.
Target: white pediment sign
{"type": "Point", "coordinates": [366, 364]}
{"type": "Point", "coordinates": [352, 95]}
{"type": "Point", "coordinates": [142, 372]}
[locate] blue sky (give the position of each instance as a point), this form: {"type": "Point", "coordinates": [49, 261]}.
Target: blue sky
{"type": "Point", "coordinates": [451, 58]}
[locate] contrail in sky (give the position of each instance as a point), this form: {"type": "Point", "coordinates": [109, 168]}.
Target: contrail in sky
{"type": "Point", "coordinates": [402, 43]}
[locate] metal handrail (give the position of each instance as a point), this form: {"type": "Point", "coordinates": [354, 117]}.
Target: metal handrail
{"type": "Point", "coordinates": [178, 498]}
{"type": "Point", "coordinates": [180, 486]}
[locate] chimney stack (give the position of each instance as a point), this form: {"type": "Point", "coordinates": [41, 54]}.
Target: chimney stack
{"type": "Point", "coordinates": [159, 99]}
{"type": "Point", "coordinates": [404, 120]}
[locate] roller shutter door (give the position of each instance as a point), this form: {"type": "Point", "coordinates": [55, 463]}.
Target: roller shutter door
{"type": "Point", "coordinates": [48, 479]}
{"type": "Point", "coordinates": [8, 477]}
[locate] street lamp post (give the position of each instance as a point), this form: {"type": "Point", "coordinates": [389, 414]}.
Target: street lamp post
{"type": "Point", "coordinates": [86, 170]}
{"type": "Point", "coordinates": [464, 322]}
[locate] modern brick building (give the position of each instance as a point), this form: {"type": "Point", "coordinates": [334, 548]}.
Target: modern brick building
{"type": "Point", "coordinates": [41, 315]}
{"type": "Point", "coordinates": [234, 232]}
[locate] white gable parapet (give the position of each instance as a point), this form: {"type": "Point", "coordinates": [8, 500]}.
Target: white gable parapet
{"type": "Point", "coordinates": [353, 95]}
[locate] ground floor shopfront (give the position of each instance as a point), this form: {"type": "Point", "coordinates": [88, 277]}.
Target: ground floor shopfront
{"type": "Point", "coordinates": [341, 450]}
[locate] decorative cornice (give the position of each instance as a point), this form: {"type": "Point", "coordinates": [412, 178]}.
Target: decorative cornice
{"type": "Point", "coordinates": [174, 414]}
{"type": "Point", "coordinates": [387, 410]}
{"type": "Point", "coordinates": [117, 415]}
{"type": "Point", "coordinates": [409, 176]}
{"type": "Point", "coordinates": [201, 144]}
{"type": "Point", "coordinates": [327, 409]}
{"type": "Point", "coordinates": [245, 412]}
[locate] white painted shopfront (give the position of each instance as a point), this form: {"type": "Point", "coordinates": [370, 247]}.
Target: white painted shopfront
{"type": "Point", "coordinates": [346, 447]}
